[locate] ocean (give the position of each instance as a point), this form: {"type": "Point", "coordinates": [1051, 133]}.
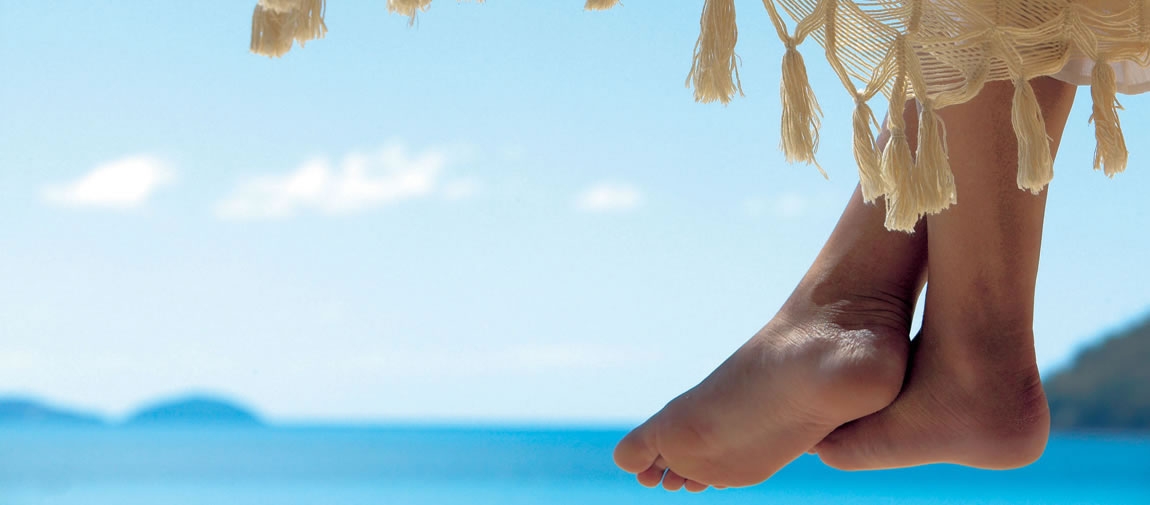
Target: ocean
{"type": "Point", "coordinates": [505, 466]}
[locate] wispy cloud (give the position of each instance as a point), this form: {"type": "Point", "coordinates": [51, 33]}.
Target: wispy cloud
{"type": "Point", "coordinates": [360, 182]}
{"type": "Point", "coordinates": [791, 205]}
{"type": "Point", "coordinates": [786, 206]}
{"type": "Point", "coordinates": [482, 361]}
{"type": "Point", "coordinates": [461, 189]}
{"type": "Point", "coordinates": [609, 197]}
{"type": "Point", "coordinates": [123, 184]}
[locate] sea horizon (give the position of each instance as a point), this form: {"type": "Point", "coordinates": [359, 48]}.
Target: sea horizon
{"type": "Point", "coordinates": [434, 464]}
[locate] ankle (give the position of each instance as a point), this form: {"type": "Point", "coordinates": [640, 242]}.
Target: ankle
{"type": "Point", "coordinates": [985, 358]}
{"type": "Point", "coordinates": [1001, 394]}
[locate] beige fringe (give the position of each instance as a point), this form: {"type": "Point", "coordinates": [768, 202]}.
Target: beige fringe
{"type": "Point", "coordinates": [902, 210]}
{"type": "Point", "coordinates": [942, 54]}
{"type": "Point", "coordinates": [1035, 164]}
{"type": "Point", "coordinates": [715, 67]}
{"type": "Point", "coordinates": [933, 181]}
{"type": "Point", "coordinates": [277, 24]}
{"type": "Point", "coordinates": [866, 152]}
{"type": "Point", "coordinates": [408, 8]}
{"type": "Point", "coordinates": [600, 5]}
{"type": "Point", "coordinates": [800, 123]}
{"type": "Point", "coordinates": [1110, 153]}
{"type": "Point", "coordinates": [938, 53]}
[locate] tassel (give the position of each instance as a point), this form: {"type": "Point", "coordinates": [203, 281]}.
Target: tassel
{"type": "Point", "coordinates": [714, 70]}
{"type": "Point", "coordinates": [897, 163]}
{"type": "Point", "coordinates": [897, 167]}
{"type": "Point", "coordinates": [800, 128]}
{"type": "Point", "coordinates": [280, 5]}
{"type": "Point", "coordinates": [866, 152]}
{"type": "Point", "coordinates": [309, 21]}
{"type": "Point", "coordinates": [270, 32]}
{"type": "Point", "coordinates": [1035, 165]}
{"type": "Point", "coordinates": [934, 181]}
{"type": "Point", "coordinates": [928, 186]}
{"type": "Point", "coordinates": [408, 8]}
{"type": "Point", "coordinates": [1110, 153]}
{"type": "Point", "coordinates": [276, 24]}
{"type": "Point", "coordinates": [600, 5]}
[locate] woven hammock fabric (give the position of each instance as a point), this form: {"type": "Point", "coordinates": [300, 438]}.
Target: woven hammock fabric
{"type": "Point", "coordinates": [937, 52]}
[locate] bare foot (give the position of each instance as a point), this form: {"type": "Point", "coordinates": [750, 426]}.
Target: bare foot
{"type": "Point", "coordinates": [836, 351]}
{"type": "Point", "coordinates": [968, 407]}
{"type": "Point", "coordinates": [973, 395]}
{"type": "Point", "coordinates": [775, 398]}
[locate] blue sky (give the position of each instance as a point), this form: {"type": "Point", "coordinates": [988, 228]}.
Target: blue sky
{"type": "Point", "coordinates": [511, 211]}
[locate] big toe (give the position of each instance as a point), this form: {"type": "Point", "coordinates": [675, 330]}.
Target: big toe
{"type": "Point", "coordinates": [637, 451]}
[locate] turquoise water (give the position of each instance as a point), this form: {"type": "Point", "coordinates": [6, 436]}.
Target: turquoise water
{"type": "Point", "coordinates": [397, 466]}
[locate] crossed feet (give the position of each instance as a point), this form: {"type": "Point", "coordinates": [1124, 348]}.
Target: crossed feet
{"type": "Point", "coordinates": [822, 378]}
{"type": "Point", "coordinates": [829, 374]}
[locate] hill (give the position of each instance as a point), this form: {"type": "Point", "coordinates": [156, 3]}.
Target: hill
{"type": "Point", "coordinates": [30, 412]}
{"type": "Point", "coordinates": [1107, 387]}
{"type": "Point", "coordinates": [194, 410]}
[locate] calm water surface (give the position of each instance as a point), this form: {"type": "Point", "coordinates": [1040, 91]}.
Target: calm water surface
{"type": "Point", "coordinates": [398, 466]}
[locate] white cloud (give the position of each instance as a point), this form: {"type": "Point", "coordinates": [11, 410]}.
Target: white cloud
{"type": "Point", "coordinates": [360, 182]}
{"type": "Point", "coordinates": [609, 197]}
{"type": "Point", "coordinates": [125, 183]}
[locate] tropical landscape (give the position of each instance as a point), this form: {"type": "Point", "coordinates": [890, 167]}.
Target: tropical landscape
{"type": "Point", "coordinates": [415, 252]}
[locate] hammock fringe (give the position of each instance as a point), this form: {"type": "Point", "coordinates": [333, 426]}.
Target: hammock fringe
{"type": "Point", "coordinates": [937, 55]}
{"type": "Point", "coordinates": [715, 67]}
{"type": "Point", "coordinates": [866, 153]}
{"type": "Point", "coordinates": [1110, 154]}
{"type": "Point", "coordinates": [800, 121]}
{"type": "Point", "coordinates": [600, 5]}
{"type": "Point", "coordinates": [277, 24]}
{"type": "Point", "coordinates": [1035, 164]}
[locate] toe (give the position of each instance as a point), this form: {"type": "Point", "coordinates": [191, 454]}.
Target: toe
{"type": "Point", "coordinates": [653, 474]}
{"type": "Point", "coordinates": [694, 487]}
{"type": "Point", "coordinates": [673, 481]}
{"type": "Point", "coordinates": [636, 452]}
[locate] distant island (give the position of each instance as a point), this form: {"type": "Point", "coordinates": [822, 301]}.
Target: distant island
{"type": "Point", "coordinates": [194, 410]}
{"type": "Point", "coordinates": [1107, 387]}
{"type": "Point", "coordinates": [185, 411]}
{"type": "Point", "coordinates": [28, 411]}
